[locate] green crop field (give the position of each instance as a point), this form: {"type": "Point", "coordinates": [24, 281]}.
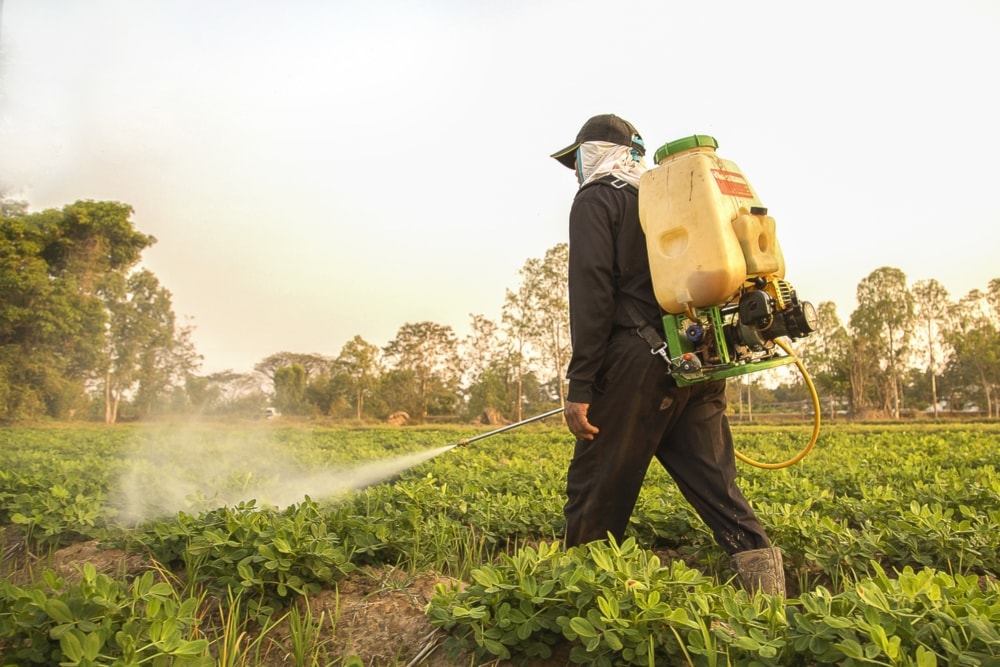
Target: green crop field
{"type": "Point", "coordinates": [268, 544]}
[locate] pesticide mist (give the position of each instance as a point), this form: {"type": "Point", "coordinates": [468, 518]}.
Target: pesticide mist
{"type": "Point", "coordinates": [196, 469]}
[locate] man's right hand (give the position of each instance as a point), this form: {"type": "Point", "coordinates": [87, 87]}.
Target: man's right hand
{"type": "Point", "coordinates": [576, 420]}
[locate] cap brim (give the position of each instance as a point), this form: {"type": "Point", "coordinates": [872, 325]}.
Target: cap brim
{"type": "Point", "coordinates": [567, 156]}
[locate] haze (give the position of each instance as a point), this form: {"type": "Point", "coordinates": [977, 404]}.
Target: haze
{"type": "Point", "coordinates": [318, 170]}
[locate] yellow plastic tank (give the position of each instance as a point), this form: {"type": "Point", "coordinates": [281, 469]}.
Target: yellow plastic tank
{"type": "Point", "coordinates": [706, 230]}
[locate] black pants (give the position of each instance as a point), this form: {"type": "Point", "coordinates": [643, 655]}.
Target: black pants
{"type": "Point", "coordinates": [642, 415]}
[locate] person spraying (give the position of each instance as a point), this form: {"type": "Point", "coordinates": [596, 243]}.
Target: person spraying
{"type": "Point", "coordinates": [623, 407]}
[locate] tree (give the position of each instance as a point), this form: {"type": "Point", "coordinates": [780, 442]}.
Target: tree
{"type": "Point", "coordinates": [479, 347]}
{"type": "Point", "coordinates": [327, 393]}
{"type": "Point", "coordinates": [884, 321]}
{"type": "Point", "coordinates": [225, 392]}
{"type": "Point", "coordinates": [52, 266]}
{"type": "Point", "coordinates": [428, 355]}
{"type": "Point", "coordinates": [13, 208]}
{"type": "Point", "coordinates": [490, 374]}
{"type": "Point", "coordinates": [359, 360]}
{"type": "Point", "coordinates": [146, 352]}
{"type": "Point", "coordinates": [397, 391]}
{"type": "Point", "coordinates": [931, 308]}
{"type": "Point", "coordinates": [93, 239]}
{"type": "Point", "coordinates": [537, 315]}
{"type": "Point", "coordinates": [974, 338]}
{"type": "Point", "coordinates": [551, 283]}
{"type": "Point", "coordinates": [312, 364]}
{"type": "Point", "coordinates": [993, 297]}
{"type": "Point", "coordinates": [182, 362]}
{"type": "Point", "coordinates": [47, 330]}
{"type": "Point", "coordinates": [290, 389]}
{"type": "Point", "coordinates": [518, 323]}
{"type": "Point", "coordinates": [826, 354]}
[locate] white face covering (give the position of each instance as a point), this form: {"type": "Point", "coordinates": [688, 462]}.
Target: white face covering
{"type": "Point", "coordinates": [595, 159]}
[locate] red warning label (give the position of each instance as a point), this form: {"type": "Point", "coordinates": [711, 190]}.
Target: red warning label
{"type": "Point", "coordinates": [732, 183]}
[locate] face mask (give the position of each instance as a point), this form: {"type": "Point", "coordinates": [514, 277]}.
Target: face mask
{"type": "Point", "coordinates": [596, 159]}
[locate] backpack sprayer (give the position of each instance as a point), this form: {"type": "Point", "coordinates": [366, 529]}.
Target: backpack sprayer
{"type": "Point", "coordinates": [718, 272]}
{"type": "Point", "coordinates": [718, 275]}
{"type": "Point", "coordinates": [717, 268]}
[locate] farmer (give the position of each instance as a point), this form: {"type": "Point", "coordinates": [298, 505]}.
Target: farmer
{"type": "Point", "coordinates": [623, 406]}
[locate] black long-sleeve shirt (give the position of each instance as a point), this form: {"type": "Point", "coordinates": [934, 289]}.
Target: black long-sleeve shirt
{"type": "Point", "coordinates": [608, 264]}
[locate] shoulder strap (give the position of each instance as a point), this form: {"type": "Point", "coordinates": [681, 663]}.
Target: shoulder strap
{"type": "Point", "coordinates": [647, 332]}
{"type": "Point", "coordinates": [609, 181]}
{"type": "Point", "coordinates": [613, 181]}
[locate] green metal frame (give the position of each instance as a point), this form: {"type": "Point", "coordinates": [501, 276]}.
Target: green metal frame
{"type": "Point", "coordinates": [727, 367]}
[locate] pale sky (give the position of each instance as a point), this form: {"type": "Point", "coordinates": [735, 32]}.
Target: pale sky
{"type": "Point", "coordinates": [319, 170]}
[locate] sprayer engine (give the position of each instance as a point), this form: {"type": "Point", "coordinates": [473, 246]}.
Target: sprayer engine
{"type": "Point", "coordinates": [739, 336]}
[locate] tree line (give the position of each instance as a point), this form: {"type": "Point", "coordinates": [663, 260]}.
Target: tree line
{"type": "Point", "coordinates": [87, 334]}
{"type": "Point", "coordinates": [909, 347]}
{"type": "Point", "coordinates": [82, 330]}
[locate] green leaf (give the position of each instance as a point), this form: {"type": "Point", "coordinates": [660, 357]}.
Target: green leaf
{"type": "Point", "coordinates": [485, 576]}
{"type": "Point", "coordinates": [652, 599]}
{"type": "Point", "coordinates": [613, 640]}
{"type": "Point", "coordinates": [837, 622]}
{"type": "Point", "coordinates": [58, 631]}
{"type": "Point", "coordinates": [496, 648]}
{"type": "Point", "coordinates": [92, 645]}
{"type": "Point", "coordinates": [59, 611]}
{"type": "Point", "coordinates": [601, 559]}
{"type": "Point", "coordinates": [71, 647]}
{"type": "Point", "coordinates": [851, 649]}
{"type": "Point", "coordinates": [873, 596]}
{"type": "Point", "coordinates": [747, 643]}
{"type": "Point", "coordinates": [582, 627]}
{"type": "Point", "coordinates": [191, 648]}
{"type": "Point", "coordinates": [926, 658]}
{"type": "Point", "coordinates": [609, 607]}
{"type": "Point", "coordinates": [162, 589]}
{"type": "Point", "coordinates": [679, 616]}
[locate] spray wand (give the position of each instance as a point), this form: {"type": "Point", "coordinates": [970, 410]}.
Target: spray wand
{"type": "Point", "coordinates": [508, 427]}
{"type": "Point", "coordinates": [757, 464]}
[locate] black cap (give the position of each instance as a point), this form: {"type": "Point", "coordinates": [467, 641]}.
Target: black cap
{"type": "Point", "coordinates": [606, 127]}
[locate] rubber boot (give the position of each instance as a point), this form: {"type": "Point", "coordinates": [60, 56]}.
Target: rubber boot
{"type": "Point", "coordinates": [761, 570]}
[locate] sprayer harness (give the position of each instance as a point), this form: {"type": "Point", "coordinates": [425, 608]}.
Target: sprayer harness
{"type": "Point", "coordinates": [645, 330]}
{"type": "Point", "coordinates": [648, 333]}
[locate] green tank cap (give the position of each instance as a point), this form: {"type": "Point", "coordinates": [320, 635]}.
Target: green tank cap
{"type": "Point", "coordinates": [674, 147]}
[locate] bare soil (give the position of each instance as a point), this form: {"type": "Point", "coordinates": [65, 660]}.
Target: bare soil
{"type": "Point", "coordinates": [378, 616]}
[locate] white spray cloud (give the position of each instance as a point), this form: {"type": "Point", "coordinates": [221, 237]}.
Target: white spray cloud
{"type": "Point", "coordinates": [194, 470]}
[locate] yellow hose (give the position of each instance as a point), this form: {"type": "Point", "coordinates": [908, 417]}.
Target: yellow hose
{"type": "Point", "coordinates": [815, 434]}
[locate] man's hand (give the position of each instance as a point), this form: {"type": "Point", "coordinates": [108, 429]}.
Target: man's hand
{"type": "Point", "coordinates": [576, 420]}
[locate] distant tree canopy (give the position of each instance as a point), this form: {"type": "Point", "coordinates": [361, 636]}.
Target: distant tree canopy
{"type": "Point", "coordinates": [85, 332]}
{"type": "Point", "coordinates": [75, 320]}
